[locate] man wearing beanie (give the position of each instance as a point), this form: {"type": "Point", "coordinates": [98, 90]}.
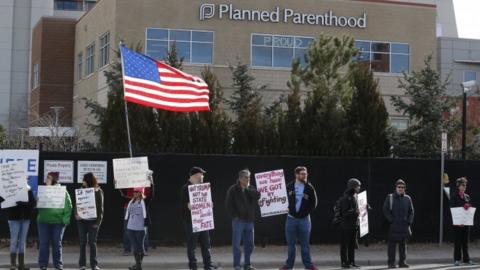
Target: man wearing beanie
{"type": "Point", "coordinates": [398, 210]}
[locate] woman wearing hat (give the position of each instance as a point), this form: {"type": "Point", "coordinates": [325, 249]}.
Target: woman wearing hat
{"type": "Point", "coordinates": [51, 226]}
{"type": "Point", "coordinates": [137, 218]}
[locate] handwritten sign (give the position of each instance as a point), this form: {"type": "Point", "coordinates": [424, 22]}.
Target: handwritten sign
{"type": "Point", "coordinates": [131, 172]}
{"type": "Point", "coordinates": [201, 207]}
{"type": "Point", "coordinates": [363, 209]}
{"type": "Point", "coordinates": [98, 168]}
{"type": "Point", "coordinates": [31, 160]}
{"type": "Point", "coordinates": [63, 167]}
{"type": "Point", "coordinates": [85, 201]}
{"type": "Point", "coordinates": [51, 196]}
{"type": "Point", "coordinates": [13, 183]}
{"type": "Point", "coordinates": [460, 216]}
{"type": "Point", "coordinates": [273, 199]}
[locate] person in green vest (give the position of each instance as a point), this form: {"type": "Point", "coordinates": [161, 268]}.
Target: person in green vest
{"type": "Point", "coordinates": [51, 226]}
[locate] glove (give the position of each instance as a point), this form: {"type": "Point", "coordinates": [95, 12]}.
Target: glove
{"type": "Point", "coordinates": [466, 206]}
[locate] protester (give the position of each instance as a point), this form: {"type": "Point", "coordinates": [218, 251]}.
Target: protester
{"type": "Point", "coordinates": [51, 226]}
{"type": "Point", "coordinates": [242, 205]}
{"type": "Point", "coordinates": [127, 194]}
{"type": "Point", "coordinates": [348, 209]}
{"type": "Point", "coordinates": [461, 233]}
{"type": "Point", "coordinates": [398, 210]}
{"type": "Point", "coordinates": [19, 218]}
{"type": "Point", "coordinates": [88, 228]}
{"type": "Point", "coordinates": [137, 219]}
{"type": "Point", "coordinates": [196, 177]}
{"type": "Point", "coordinates": [302, 201]}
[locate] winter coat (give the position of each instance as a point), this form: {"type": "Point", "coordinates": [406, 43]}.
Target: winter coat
{"type": "Point", "coordinates": [242, 204]}
{"type": "Point", "coordinates": [56, 215]}
{"type": "Point", "coordinates": [23, 210]}
{"type": "Point", "coordinates": [309, 200]}
{"type": "Point", "coordinates": [399, 215]}
{"type": "Point", "coordinates": [348, 211]}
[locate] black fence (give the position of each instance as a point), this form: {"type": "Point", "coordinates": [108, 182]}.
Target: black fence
{"type": "Point", "coordinates": [328, 175]}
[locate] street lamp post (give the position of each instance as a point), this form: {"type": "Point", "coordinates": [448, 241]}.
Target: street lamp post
{"type": "Point", "coordinates": [466, 86]}
{"type": "Point", "coordinates": [57, 110]}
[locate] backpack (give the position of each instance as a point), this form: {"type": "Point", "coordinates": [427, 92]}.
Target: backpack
{"type": "Point", "coordinates": [337, 215]}
{"type": "Point", "coordinates": [386, 224]}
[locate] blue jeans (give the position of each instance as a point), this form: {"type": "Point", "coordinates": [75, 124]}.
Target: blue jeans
{"type": "Point", "coordinates": [50, 235]}
{"type": "Point", "coordinates": [87, 230]}
{"type": "Point", "coordinates": [243, 231]}
{"type": "Point", "coordinates": [18, 235]}
{"type": "Point", "coordinates": [298, 229]}
{"type": "Point", "coordinates": [137, 239]}
{"type": "Point", "coordinates": [126, 238]}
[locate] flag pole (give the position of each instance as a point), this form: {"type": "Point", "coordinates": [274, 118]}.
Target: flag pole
{"type": "Point", "coordinates": [125, 102]}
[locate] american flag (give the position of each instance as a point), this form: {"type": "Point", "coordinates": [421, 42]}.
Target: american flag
{"type": "Point", "coordinates": [155, 84]}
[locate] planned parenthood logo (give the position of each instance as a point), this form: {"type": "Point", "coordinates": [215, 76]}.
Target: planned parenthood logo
{"type": "Point", "coordinates": [207, 11]}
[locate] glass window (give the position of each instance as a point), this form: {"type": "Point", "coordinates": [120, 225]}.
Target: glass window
{"type": "Point", "coordinates": [363, 46]}
{"type": "Point", "coordinates": [400, 63]}
{"type": "Point", "coordinates": [284, 42]}
{"type": "Point", "coordinates": [282, 57]}
{"type": "Point", "coordinates": [278, 51]}
{"type": "Point", "coordinates": [193, 46]}
{"type": "Point", "coordinates": [384, 56]}
{"type": "Point", "coordinates": [301, 42]}
{"type": "Point", "coordinates": [400, 48]}
{"type": "Point", "coordinates": [261, 56]}
{"type": "Point", "coordinates": [262, 40]}
{"type": "Point", "coordinates": [380, 47]}
{"type": "Point", "coordinates": [79, 66]}
{"type": "Point", "coordinates": [469, 75]}
{"type": "Point", "coordinates": [300, 55]}
{"type": "Point", "coordinates": [90, 59]}
{"type": "Point", "coordinates": [36, 75]}
{"type": "Point", "coordinates": [104, 49]}
{"type": "Point", "coordinates": [399, 123]}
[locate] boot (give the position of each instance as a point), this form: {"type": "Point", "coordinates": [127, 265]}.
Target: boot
{"type": "Point", "coordinates": [21, 262]}
{"type": "Point", "coordinates": [13, 261]}
{"type": "Point", "coordinates": [140, 260]}
{"type": "Point", "coordinates": [134, 267]}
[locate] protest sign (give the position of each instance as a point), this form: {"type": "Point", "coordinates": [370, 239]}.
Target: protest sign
{"type": "Point", "coordinates": [98, 168]}
{"type": "Point", "coordinates": [363, 216]}
{"type": "Point", "coordinates": [63, 167]}
{"type": "Point", "coordinates": [131, 172]}
{"type": "Point", "coordinates": [13, 183]}
{"type": "Point", "coordinates": [51, 196]}
{"type": "Point", "coordinates": [30, 158]}
{"type": "Point", "coordinates": [85, 202]}
{"type": "Point", "coordinates": [273, 199]}
{"type": "Point", "coordinates": [460, 216]}
{"type": "Point", "coordinates": [201, 207]}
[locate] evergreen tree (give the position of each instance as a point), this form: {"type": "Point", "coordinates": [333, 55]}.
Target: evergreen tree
{"type": "Point", "coordinates": [289, 124]}
{"type": "Point", "coordinates": [3, 135]}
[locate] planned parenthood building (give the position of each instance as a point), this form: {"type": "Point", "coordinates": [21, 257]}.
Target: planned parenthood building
{"type": "Point", "coordinates": [393, 37]}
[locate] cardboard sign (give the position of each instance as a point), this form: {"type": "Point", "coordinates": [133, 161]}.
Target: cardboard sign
{"type": "Point", "coordinates": [85, 201]}
{"type": "Point", "coordinates": [273, 199]}
{"type": "Point", "coordinates": [363, 217]}
{"type": "Point", "coordinates": [51, 196]}
{"type": "Point", "coordinates": [130, 172]}
{"type": "Point", "coordinates": [29, 158]}
{"type": "Point", "coordinates": [98, 168]}
{"type": "Point", "coordinates": [63, 167]}
{"type": "Point", "coordinates": [201, 207]}
{"type": "Point", "coordinates": [13, 183]}
{"type": "Point", "coordinates": [460, 216]}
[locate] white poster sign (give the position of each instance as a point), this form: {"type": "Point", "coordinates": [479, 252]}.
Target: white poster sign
{"type": "Point", "coordinates": [13, 183]}
{"type": "Point", "coordinates": [363, 216]}
{"type": "Point", "coordinates": [51, 196]}
{"type": "Point", "coordinates": [31, 160]}
{"type": "Point", "coordinates": [63, 167]}
{"type": "Point", "coordinates": [85, 201]}
{"type": "Point", "coordinates": [201, 207]}
{"type": "Point", "coordinates": [130, 172]}
{"type": "Point", "coordinates": [460, 216]}
{"type": "Point", "coordinates": [98, 168]}
{"type": "Point", "coordinates": [273, 199]}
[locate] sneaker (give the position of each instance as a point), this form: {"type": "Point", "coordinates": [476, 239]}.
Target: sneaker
{"type": "Point", "coordinates": [284, 268]}
{"type": "Point", "coordinates": [82, 268]}
{"type": "Point", "coordinates": [96, 268]}
{"type": "Point", "coordinates": [249, 267]}
{"type": "Point", "coordinates": [345, 266]}
{"type": "Point", "coordinates": [390, 266]}
{"type": "Point", "coordinates": [470, 262]}
{"type": "Point", "coordinates": [403, 265]}
{"type": "Point", "coordinates": [312, 267]}
{"type": "Point", "coordinates": [353, 265]}
{"type": "Point", "coordinates": [211, 267]}
{"type": "Point", "coordinates": [456, 263]}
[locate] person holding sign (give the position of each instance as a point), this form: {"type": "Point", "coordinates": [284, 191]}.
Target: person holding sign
{"type": "Point", "coordinates": [88, 226]}
{"type": "Point", "coordinates": [19, 218]}
{"type": "Point", "coordinates": [51, 226]}
{"type": "Point", "coordinates": [192, 238]}
{"type": "Point", "coordinates": [302, 201]}
{"type": "Point", "coordinates": [137, 219]}
{"type": "Point", "coordinates": [461, 232]}
{"type": "Point", "coordinates": [348, 222]}
{"type": "Point", "coordinates": [242, 205]}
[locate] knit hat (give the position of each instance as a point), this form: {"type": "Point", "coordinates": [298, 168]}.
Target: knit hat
{"type": "Point", "coordinates": [400, 182]}
{"type": "Point", "coordinates": [353, 183]}
{"type": "Point", "coordinates": [54, 175]}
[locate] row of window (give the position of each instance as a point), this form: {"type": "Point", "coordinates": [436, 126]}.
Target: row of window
{"type": "Point", "coordinates": [103, 56]}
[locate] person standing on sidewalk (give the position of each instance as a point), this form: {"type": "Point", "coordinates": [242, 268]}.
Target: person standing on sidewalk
{"type": "Point", "coordinates": [348, 207]}
{"type": "Point", "coordinates": [19, 218]}
{"type": "Point", "coordinates": [302, 201]}
{"type": "Point", "coordinates": [137, 218]}
{"type": "Point", "coordinates": [51, 226]}
{"type": "Point", "coordinates": [461, 233]}
{"type": "Point", "coordinates": [242, 206]}
{"type": "Point", "coordinates": [88, 228]}
{"type": "Point", "coordinates": [398, 211]}
{"type": "Point", "coordinates": [196, 177]}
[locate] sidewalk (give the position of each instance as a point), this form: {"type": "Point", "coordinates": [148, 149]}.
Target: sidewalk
{"type": "Point", "coordinates": [271, 257]}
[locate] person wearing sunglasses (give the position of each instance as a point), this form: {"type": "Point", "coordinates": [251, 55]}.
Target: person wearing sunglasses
{"type": "Point", "coordinates": [399, 212]}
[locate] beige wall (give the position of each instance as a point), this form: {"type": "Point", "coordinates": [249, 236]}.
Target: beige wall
{"type": "Point", "coordinates": [385, 22]}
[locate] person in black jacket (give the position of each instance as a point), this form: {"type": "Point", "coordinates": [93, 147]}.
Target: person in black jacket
{"type": "Point", "coordinates": [242, 206]}
{"type": "Point", "coordinates": [302, 201]}
{"type": "Point", "coordinates": [348, 208]}
{"type": "Point", "coordinates": [459, 198]}
{"type": "Point", "coordinates": [399, 212]}
{"type": "Point", "coordinates": [19, 218]}
{"type": "Point", "coordinates": [196, 177]}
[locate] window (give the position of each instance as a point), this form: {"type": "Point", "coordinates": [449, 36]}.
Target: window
{"type": "Point", "coordinates": [277, 50]}
{"type": "Point", "coordinates": [79, 66]}
{"type": "Point", "coordinates": [104, 49]}
{"type": "Point", "coordinates": [90, 59]}
{"type": "Point", "coordinates": [399, 123]}
{"type": "Point", "coordinates": [388, 57]}
{"type": "Point", "coordinates": [194, 46]}
{"type": "Point", "coordinates": [36, 75]}
{"type": "Point", "coordinates": [469, 75]}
